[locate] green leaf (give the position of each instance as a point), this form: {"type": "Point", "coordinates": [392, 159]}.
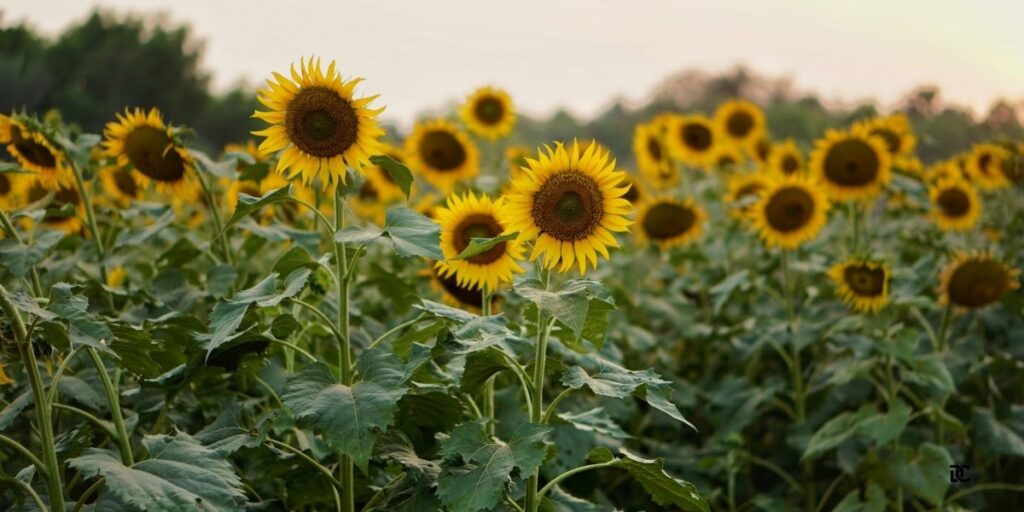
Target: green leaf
{"type": "Point", "coordinates": [226, 434]}
{"type": "Point", "coordinates": [883, 428]}
{"type": "Point", "coordinates": [13, 410]}
{"type": "Point", "coordinates": [994, 437]}
{"type": "Point", "coordinates": [399, 173]}
{"type": "Point", "coordinates": [20, 258]}
{"type": "Point", "coordinates": [487, 465]}
{"type": "Point", "coordinates": [478, 246]}
{"type": "Point", "coordinates": [852, 503]}
{"type": "Point", "coordinates": [582, 306]}
{"type": "Point", "coordinates": [930, 369]}
{"type": "Point", "coordinates": [84, 328]}
{"type": "Point", "coordinates": [606, 378]}
{"type": "Point", "coordinates": [180, 474]}
{"type": "Point", "coordinates": [595, 420]}
{"type": "Point", "coordinates": [224, 169]}
{"type": "Point", "coordinates": [248, 204]}
{"type": "Point", "coordinates": [481, 366]}
{"type": "Point", "coordinates": [413, 234]}
{"type": "Point", "coordinates": [837, 430]}
{"type": "Point", "coordinates": [664, 489]}
{"type": "Point", "coordinates": [357, 235]}
{"type": "Point", "coordinates": [443, 311]}
{"type": "Point", "coordinates": [923, 471]}
{"type": "Point", "coordinates": [130, 239]}
{"type": "Point", "coordinates": [720, 292]}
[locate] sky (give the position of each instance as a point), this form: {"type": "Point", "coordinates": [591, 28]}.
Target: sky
{"type": "Point", "coordinates": [581, 54]}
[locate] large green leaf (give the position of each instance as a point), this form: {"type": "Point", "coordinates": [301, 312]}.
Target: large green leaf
{"type": "Point", "coordinates": [606, 378]}
{"type": "Point", "coordinates": [411, 233]}
{"type": "Point", "coordinates": [180, 474]}
{"type": "Point", "coordinates": [852, 502]}
{"type": "Point", "coordinates": [478, 246]}
{"type": "Point", "coordinates": [883, 428]}
{"type": "Point", "coordinates": [83, 327]}
{"type": "Point", "coordinates": [581, 306]}
{"type": "Point", "coordinates": [130, 239]}
{"type": "Point", "coordinates": [248, 204]}
{"type": "Point", "coordinates": [923, 471]}
{"type": "Point", "coordinates": [19, 258]}
{"type": "Point", "coordinates": [993, 436]}
{"type": "Point", "coordinates": [837, 430]}
{"type": "Point", "coordinates": [399, 173]}
{"type": "Point", "coordinates": [663, 488]}
{"type": "Point", "coordinates": [595, 420]}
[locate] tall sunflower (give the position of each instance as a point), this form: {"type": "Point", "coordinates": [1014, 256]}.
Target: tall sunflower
{"type": "Point", "coordinates": [863, 285]}
{"type": "Point", "coordinates": [955, 204]}
{"type": "Point", "coordinates": [851, 165]}
{"type": "Point", "coordinates": [669, 222]}
{"type": "Point", "coordinates": [55, 217]}
{"type": "Point", "coordinates": [740, 121]}
{"type": "Point", "coordinates": [743, 192]}
{"type": "Point", "coordinates": [791, 211]}
{"type": "Point", "coordinates": [319, 124]}
{"type": "Point", "coordinates": [568, 204]}
{"type": "Point", "coordinates": [463, 219]}
{"type": "Point", "coordinates": [32, 147]}
{"type": "Point", "coordinates": [986, 166]}
{"type": "Point", "coordinates": [652, 155]}
{"type": "Point", "coordinates": [975, 280]}
{"type": "Point", "coordinates": [150, 147]}
{"type": "Point", "coordinates": [488, 113]}
{"type": "Point", "coordinates": [442, 153]}
{"type": "Point", "coordinates": [692, 139]}
{"type": "Point", "coordinates": [786, 158]}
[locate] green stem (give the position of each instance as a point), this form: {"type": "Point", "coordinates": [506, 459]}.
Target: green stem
{"type": "Point", "coordinates": [554, 403]}
{"type": "Point", "coordinates": [856, 226]}
{"type": "Point", "coordinates": [947, 317]}
{"type": "Point", "coordinates": [98, 423]}
{"type": "Point", "coordinates": [88, 494]}
{"type": "Point", "coordinates": [20, 448]}
{"type": "Point", "coordinates": [8, 227]}
{"type": "Point", "coordinates": [43, 412]}
{"type": "Point", "coordinates": [380, 339]}
{"type": "Point", "coordinates": [797, 376]}
{"type": "Point", "coordinates": [488, 398]}
{"type": "Point", "coordinates": [123, 440]}
{"type": "Point", "coordinates": [218, 224]}
{"type": "Point", "coordinates": [338, 336]}
{"type": "Point", "coordinates": [309, 460]}
{"type": "Point", "coordinates": [345, 347]}
{"type": "Point", "coordinates": [537, 411]}
{"type": "Point", "coordinates": [51, 396]}
{"type": "Point", "coordinates": [94, 230]}
{"type": "Point", "coordinates": [556, 480]}
{"type": "Point", "coordinates": [27, 489]}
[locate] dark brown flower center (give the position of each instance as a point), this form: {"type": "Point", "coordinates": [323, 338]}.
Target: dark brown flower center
{"type": "Point", "coordinates": [5, 185]}
{"type": "Point", "coordinates": [479, 226]}
{"type": "Point", "coordinates": [152, 152]}
{"type": "Point", "coordinates": [31, 150]}
{"type": "Point", "coordinates": [664, 221]}
{"type": "Point", "coordinates": [125, 182]}
{"type": "Point", "coordinates": [61, 197]}
{"type": "Point", "coordinates": [467, 296]}
{"type": "Point", "coordinates": [489, 110]}
{"type": "Point", "coordinates": [569, 206]}
{"type": "Point", "coordinates": [891, 138]}
{"type": "Point", "coordinates": [851, 162]}
{"type": "Point", "coordinates": [368, 192]}
{"type": "Point", "coordinates": [696, 136]}
{"type": "Point", "coordinates": [954, 202]}
{"type": "Point", "coordinates": [727, 161]}
{"type": "Point", "coordinates": [976, 283]}
{"type": "Point", "coordinates": [789, 209]}
{"type": "Point", "coordinates": [790, 164]}
{"type": "Point", "coordinates": [442, 151]}
{"type": "Point", "coordinates": [864, 280]}
{"type": "Point", "coordinates": [632, 194]}
{"type": "Point", "coordinates": [762, 148]}
{"type": "Point", "coordinates": [983, 162]}
{"type": "Point", "coordinates": [739, 124]}
{"type": "Point", "coordinates": [654, 148]}
{"type": "Point", "coordinates": [321, 123]}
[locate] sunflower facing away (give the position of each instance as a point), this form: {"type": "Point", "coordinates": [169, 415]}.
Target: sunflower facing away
{"type": "Point", "coordinates": [759, 149]}
{"type": "Point", "coordinates": [894, 130]}
{"type": "Point", "coordinates": [785, 158]}
{"type": "Point", "coordinates": [636, 193]}
{"type": "Point", "coordinates": [488, 113]}
{"type": "Point", "coordinates": [863, 285]}
{"type": "Point", "coordinates": [669, 222]}
{"type": "Point", "coordinates": [955, 204]}
{"type": "Point", "coordinates": [725, 157]}
{"type": "Point", "coordinates": [986, 165]}
{"type": "Point", "coordinates": [442, 153]}
{"type": "Point", "coordinates": [54, 217]}
{"type": "Point", "coordinates": [145, 143]}
{"type": "Point", "coordinates": [791, 211]}
{"type": "Point", "coordinates": [692, 138]}
{"type": "Point", "coordinates": [28, 143]}
{"type": "Point", "coordinates": [851, 165]}
{"type": "Point", "coordinates": [569, 203]}
{"type": "Point", "coordinates": [463, 219]}
{"type": "Point", "coordinates": [743, 192]}
{"type": "Point", "coordinates": [652, 157]}
{"type": "Point", "coordinates": [975, 280]}
{"type": "Point", "coordinates": [456, 295]}
{"type": "Point", "coordinates": [740, 121]}
{"type": "Point", "coordinates": [319, 124]}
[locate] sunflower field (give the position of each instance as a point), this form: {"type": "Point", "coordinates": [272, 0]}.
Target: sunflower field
{"type": "Point", "coordinates": [329, 317]}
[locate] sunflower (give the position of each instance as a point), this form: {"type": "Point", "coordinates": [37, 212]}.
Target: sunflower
{"type": "Point", "coordinates": [145, 143]}
{"type": "Point", "coordinates": [987, 165]}
{"type": "Point", "coordinates": [463, 219]}
{"type": "Point", "coordinates": [119, 183]}
{"type": "Point", "coordinates": [851, 165]}
{"type": "Point", "coordinates": [791, 211]}
{"type": "Point", "coordinates": [743, 192]}
{"type": "Point", "coordinates": [894, 130]}
{"type": "Point", "coordinates": [249, 148]}
{"type": "Point", "coordinates": [975, 280]}
{"type": "Point", "coordinates": [116, 276]}
{"type": "Point", "coordinates": [569, 204]}
{"type": "Point", "coordinates": [652, 158]}
{"type": "Point", "coordinates": [955, 204]}
{"type": "Point", "coordinates": [35, 151]}
{"type": "Point", "coordinates": [863, 285]}
{"type": "Point", "coordinates": [636, 193]}
{"type": "Point", "coordinates": [11, 189]}
{"type": "Point", "coordinates": [692, 138]}
{"type": "Point", "coordinates": [785, 158]}
{"type": "Point", "coordinates": [63, 196]}
{"type": "Point", "coordinates": [442, 153]}
{"type": "Point", "coordinates": [427, 205]}
{"type": "Point", "coordinates": [238, 187]}
{"type": "Point", "coordinates": [456, 295]}
{"type": "Point", "coordinates": [516, 155]}
{"type": "Point", "coordinates": [740, 121]}
{"type": "Point", "coordinates": [668, 222]}
{"type": "Point", "coordinates": [4, 378]}
{"type": "Point", "coordinates": [319, 123]}
{"type": "Point", "coordinates": [725, 157]}
{"type": "Point", "coordinates": [759, 149]}
{"type": "Point", "coordinates": [488, 113]}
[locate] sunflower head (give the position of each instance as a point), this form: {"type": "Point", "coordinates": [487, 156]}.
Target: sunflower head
{"type": "Point", "coordinates": [515, 156]}
{"type": "Point", "coordinates": [861, 284]}
{"type": "Point", "coordinates": [142, 142]}
{"type": "Point", "coordinates": [785, 158]}
{"type": "Point", "coordinates": [668, 222]}
{"type": "Point", "coordinates": [568, 203]}
{"type": "Point", "coordinates": [791, 211]}
{"type": "Point", "coordinates": [457, 295]}
{"type": "Point", "coordinates": [744, 191]}
{"type": "Point", "coordinates": [56, 217]}
{"type": "Point", "coordinates": [442, 153]}
{"type": "Point", "coordinates": [12, 189]}
{"type": "Point", "coordinates": [121, 184]}
{"type": "Point", "coordinates": [32, 146]}
{"type": "Point", "coordinates": [636, 193]}
{"type": "Point", "coordinates": [319, 124]}
{"type": "Point", "coordinates": [488, 113]}
{"type": "Point", "coordinates": [740, 121]}
{"type": "Point", "coordinates": [725, 157]}
{"type": "Point", "coordinates": [463, 219]}
{"type": "Point", "coordinates": [652, 155]}
{"type": "Point", "coordinates": [895, 132]}
{"type": "Point", "coordinates": [988, 166]}
{"type": "Point", "coordinates": [851, 165]}
{"type": "Point", "coordinates": [975, 280]}
{"type": "Point", "coordinates": [759, 149]}
{"type": "Point", "coordinates": [692, 139]}
{"type": "Point", "coordinates": [955, 204]}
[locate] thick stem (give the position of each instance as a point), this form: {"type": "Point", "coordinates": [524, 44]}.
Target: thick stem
{"type": "Point", "coordinates": [345, 347]}
{"type": "Point", "coordinates": [488, 398]}
{"type": "Point", "coordinates": [537, 411]}
{"type": "Point", "coordinates": [123, 441]}
{"type": "Point", "coordinates": [43, 412]}
{"type": "Point", "coordinates": [94, 230]}
{"type": "Point", "coordinates": [797, 377]}
{"type": "Point", "coordinates": [947, 317]}
{"type": "Point", "coordinates": [556, 480]}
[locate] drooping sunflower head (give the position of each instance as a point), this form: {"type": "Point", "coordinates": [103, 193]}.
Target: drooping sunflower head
{"type": "Point", "coordinates": [669, 222]}
{"type": "Point", "coordinates": [895, 132]}
{"type": "Point", "coordinates": [463, 219]}
{"type": "Point", "coordinates": [57, 216]}
{"type": "Point", "coordinates": [955, 204]}
{"type": "Point", "coordinates": [32, 147]}
{"type": "Point", "coordinates": [975, 280]}
{"type": "Point", "coordinates": [141, 141]}
{"type": "Point", "coordinates": [488, 113]}
{"type": "Point", "coordinates": [791, 211]}
{"type": "Point", "coordinates": [442, 153]}
{"type": "Point", "coordinates": [786, 158]}
{"type": "Point", "coordinates": [987, 165]}
{"type": "Point", "coordinates": [120, 183]}
{"type": "Point", "coordinates": [744, 191]}
{"type": "Point", "coordinates": [740, 121]}
{"type": "Point", "coordinates": [851, 165]}
{"type": "Point", "coordinates": [863, 285]}
{"type": "Point", "coordinates": [636, 193]}
{"type": "Point", "coordinates": [568, 203]}
{"type": "Point", "coordinates": [319, 124]}
{"type": "Point", "coordinates": [759, 149]}
{"type": "Point", "coordinates": [457, 295]}
{"type": "Point", "coordinates": [515, 156]}
{"type": "Point", "coordinates": [652, 155]}
{"type": "Point", "coordinates": [692, 139]}
{"type": "Point", "coordinates": [725, 157]}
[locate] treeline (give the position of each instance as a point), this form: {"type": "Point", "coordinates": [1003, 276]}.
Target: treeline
{"type": "Point", "coordinates": [109, 61]}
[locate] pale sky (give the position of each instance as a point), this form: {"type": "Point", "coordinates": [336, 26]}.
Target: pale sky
{"type": "Point", "coordinates": [421, 55]}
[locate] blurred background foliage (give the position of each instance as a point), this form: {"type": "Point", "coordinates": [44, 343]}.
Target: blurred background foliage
{"type": "Point", "coordinates": [109, 61]}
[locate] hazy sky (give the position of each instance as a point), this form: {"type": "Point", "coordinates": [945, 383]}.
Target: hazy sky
{"type": "Point", "coordinates": [581, 53]}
